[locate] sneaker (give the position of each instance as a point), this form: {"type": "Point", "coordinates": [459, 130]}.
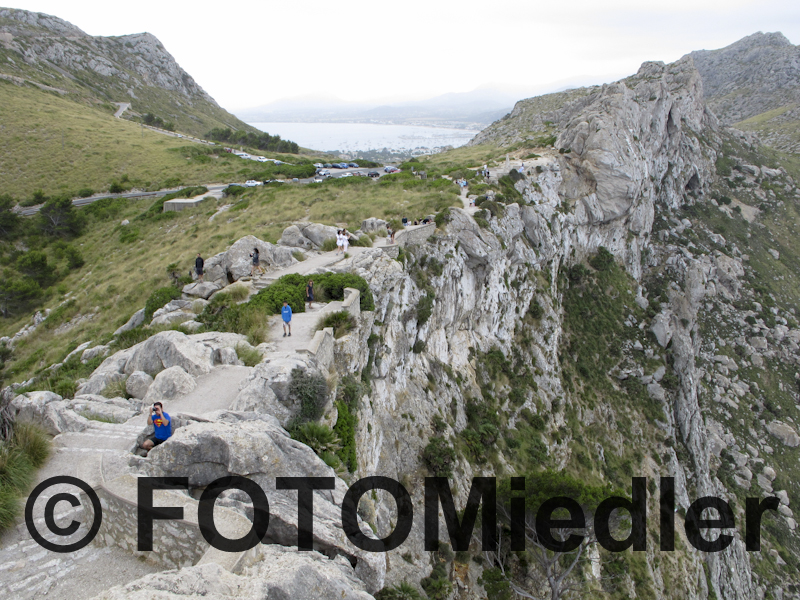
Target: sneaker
{"type": "Point", "coordinates": [284, 334]}
{"type": "Point", "coordinates": [290, 334]}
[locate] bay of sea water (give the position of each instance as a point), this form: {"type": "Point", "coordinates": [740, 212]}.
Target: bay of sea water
{"type": "Point", "coordinates": [348, 137]}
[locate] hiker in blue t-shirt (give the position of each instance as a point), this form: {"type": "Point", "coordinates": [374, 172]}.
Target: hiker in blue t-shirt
{"type": "Point", "coordinates": [162, 426]}
{"type": "Point", "coordinates": [286, 313]}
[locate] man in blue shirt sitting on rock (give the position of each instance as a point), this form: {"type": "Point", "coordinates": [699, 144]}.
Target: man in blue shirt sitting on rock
{"type": "Point", "coordinates": [286, 313]}
{"type": "Point", "coordinates": [162, 426]}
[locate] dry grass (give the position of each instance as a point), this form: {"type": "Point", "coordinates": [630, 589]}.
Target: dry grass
{"type": "Point", "coordinates": [118, 277]}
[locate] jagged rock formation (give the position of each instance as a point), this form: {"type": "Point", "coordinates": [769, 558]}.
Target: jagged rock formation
{"type": "Point", "coordinates": [756, 80]}
{"type": "Point", "coordinates": [132, 68]}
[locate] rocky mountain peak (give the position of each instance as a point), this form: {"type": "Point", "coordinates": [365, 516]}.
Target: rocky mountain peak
{"type": "Point", "coordinates": [758, 73]}
{"type": "Point", "coordinates": [40, 20]}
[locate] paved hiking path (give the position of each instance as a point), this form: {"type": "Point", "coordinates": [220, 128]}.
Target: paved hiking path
{"type": "Point", "coordinates": [29, 571]}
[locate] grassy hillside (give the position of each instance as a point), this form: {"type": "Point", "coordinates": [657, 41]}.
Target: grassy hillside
{"type": "Point", "coordinates": [124, 265]}
{"type": "Point", "coordinates": [53, 144]}
{"type": "Point", "coordinates": [135, 69]}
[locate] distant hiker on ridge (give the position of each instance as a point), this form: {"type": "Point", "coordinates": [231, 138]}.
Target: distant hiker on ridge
{"type": "Point", "coordinates": [198, 267]}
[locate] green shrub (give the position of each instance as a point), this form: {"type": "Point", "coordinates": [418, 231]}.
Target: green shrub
{"type": "Point", "coordinates": [439, 457]}
{"type": "Point", "coordinates": [298, 255]}
{"type": "Point", "coordinates": [341, 321]}
{"type": "Point", "coordinates": [128, 234]}
{"type": "Point", "coordinates": [320, 438]}
{"type": "Point", "coordinates": [85, 192]}
{"type": "Point", "coordinates": [436, 585]}
{"type": "Point", "coordinates": [248, 355]}
{"type": "Point", "coordinates": [442, 217]}
{"type": "Point", "coordinates": [158, 299]}
{"type": "Point", "coordinates": [329, 245]}
{"type": "Point", "coordinates": [237, 292]}
{"type": "Point", "coordinates": [424, 309]}
{"type": "Point", "coordinates": [116, 188]}
{"type": "Point", "coordinates": [401, 591]}
{"type": "Point", "coordinates": [33, 442]}
{"type": "Point", "coordinates": [603, 260]}
{"type": "Point", "coordinates": [345, 428]}
{"type": "Point", "coordinates": [310, 391]}
{"type": "Point", "coordinates": [363, 241]}
{"type": "Point", "coordinates": [419, 347]}
{"type": "Point", "coordinates": [535, 309]}
{"type": "Point", "coordinates": [16, 469]}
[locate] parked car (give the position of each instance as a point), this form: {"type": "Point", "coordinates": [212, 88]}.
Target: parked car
{"type": "Point", "coordinates": [352, 165]}
{"type": "Point", "coordinates": [328, 165]}
{"type": "Point", "coordinates": [318, 165]}
{"type": "Point", "coordinates": [324, 173]}
{"type": "Point", "coordinates": [373, 174]}
{"type": "Point", "coordinates": [359, 174]}
{"type": "Point", "coordinates": [343, 175]}
{"type": "Point", "coordinates": [295, 180]}
{"type": "Point", "coordinates": [387, 169]}
{"type": "Point", "coordinates": [252, 183]}
{"type": "Point", "coordinates": [318, 180]}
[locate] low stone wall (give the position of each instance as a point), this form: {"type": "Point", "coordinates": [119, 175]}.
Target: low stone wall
{"type": "Point", "coordinates": [321, 348]}
{"type": "Point", "coordinates": [414, 235]}
{"type": "Point", "coordinates": [352, 302]}
{"type": "Point", "coordinates": [176, 543]}
{"type": "Point", "coordinates": [180, 204]}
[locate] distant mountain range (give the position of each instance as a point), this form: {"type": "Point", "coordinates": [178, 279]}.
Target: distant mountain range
{"type": "Point", "coordinates": [466, 110]}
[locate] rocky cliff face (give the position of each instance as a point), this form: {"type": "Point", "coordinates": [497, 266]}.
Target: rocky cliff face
{"type": "Point", "coordinates": [132, 68]}
{"type": "Point", "coordinates": [636, 158]}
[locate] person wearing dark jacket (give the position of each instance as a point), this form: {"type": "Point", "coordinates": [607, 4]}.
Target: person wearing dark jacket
{"type": "Point", "coordinates": [198, 267]}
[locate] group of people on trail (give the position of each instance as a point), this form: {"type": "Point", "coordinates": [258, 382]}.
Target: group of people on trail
{"type": "Point", "coordinates": [342, 240]}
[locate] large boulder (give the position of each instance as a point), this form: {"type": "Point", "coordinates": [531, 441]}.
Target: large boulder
{"type": "Point", "coordinates": [115, 410]}
{"type": "Point", "coordinates": [201, 289]}
{"type": "Point", "coordinates": [373, 224]}
{"type": "Point", "coordinates": [783, 432]}
{"type": "Point", "coordinates": [294, 238]}
{"type": "Point", "coordinates": [266, 390]}
{"type": "Point", "coordinates": [196, 354]}
{"type": "Point", "coordinates": [135, 321]}
{"type": "Point", "coordinates": [237, 262]}
{"type": "Point", "coordinates": [261, 451]}
{"type": "Point", "coordinates": [137, 384]}
{"type": "Point", "coordinates": [278, 573]}
{"type": "Point", "coordinates": [47, 410]}
{"type": "Point", "coordinates": [214, 270]}
{"type": "Point", "coordinates": [92, 353]}
{"type": "Point", "coordinates": [319, 233]}
{"type": "Point", "coordinates": [169, 384]}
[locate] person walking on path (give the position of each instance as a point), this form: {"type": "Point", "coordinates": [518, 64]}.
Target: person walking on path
{"type": "Point", "coordinates": [338, 241]}
{"type": "Point", "coordinates": [310, 293]}
{"type": "Point", "coordinates": [345, 240]}
{"type": "Point", "coordinates": [198, 267]}
{"type": "Point", "coordinates": [256, 262]}
{"type": "Point", "coordinates": [286, 315]}
{"type": "Point", "coordinates": [390, 233]}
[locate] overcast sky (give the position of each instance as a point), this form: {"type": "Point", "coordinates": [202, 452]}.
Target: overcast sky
{"type": "Point", "coordinates": [250, 52]}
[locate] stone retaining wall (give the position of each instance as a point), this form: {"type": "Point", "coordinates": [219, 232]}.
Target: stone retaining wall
{"type": "Point", "coordinates": [414, 235]}
{"type": "Point", "coordinates": [176, 543]}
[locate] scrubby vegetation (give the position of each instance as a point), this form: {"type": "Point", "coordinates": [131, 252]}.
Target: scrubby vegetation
{"type": "Point", "coordinates": [21, 454]}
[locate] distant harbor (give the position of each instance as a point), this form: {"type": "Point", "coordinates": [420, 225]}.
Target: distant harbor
{"type": "Point", "coordinates": [364, 137]}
